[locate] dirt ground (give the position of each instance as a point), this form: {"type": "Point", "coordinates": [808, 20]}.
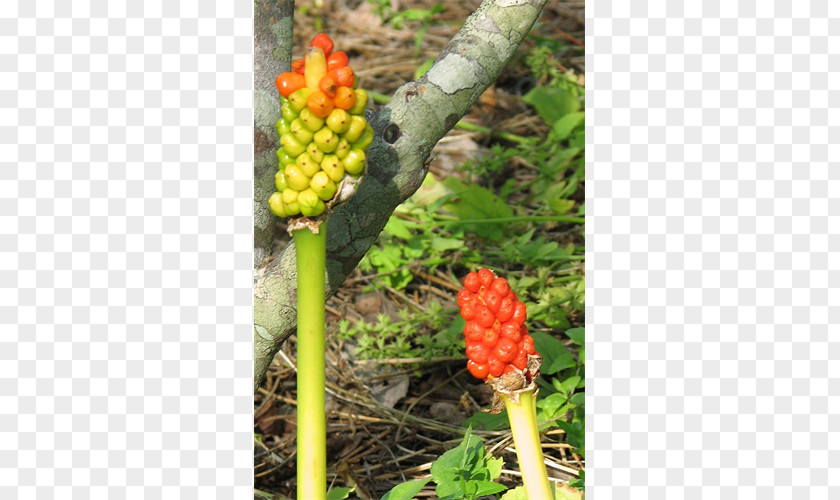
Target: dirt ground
{"type": "Point", "coordinates": [386, 423]}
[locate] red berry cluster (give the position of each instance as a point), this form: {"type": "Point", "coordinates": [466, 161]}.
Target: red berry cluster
{"type": "Point", "coordinates": [497, 338]}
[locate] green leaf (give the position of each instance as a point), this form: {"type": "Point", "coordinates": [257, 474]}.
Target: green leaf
{"type": "Point", "coordinates": [561, 491]}
{"type": "Point", "coordinates": [475, 202]}
{"type": "Point", "coordinates": [578, 398]}
{"type": "Point", "coordinates": [551, 103]}
{"type": "Point", "coordinates": [465, 471]}
{"type": "Point", "coordinates": [551, 405]}
{"type": "Point", "coordinates": [488, 421]}
{"type": "Point", "coordinates": [484, 488]}
{"type": "Point", "coordinates": [555, 355]}
{"type": "Point", "coordinates": [574, 433]}
{"type": "Point", "coordinates": [397, 228]}
{"type": "Point", "coordinates": [406, 491]}
{"type": "Point", "coordinates": [443, 244]}
{"type": "Point", "coordinates": [517, 493]}
{"type": "Point", "coordinates": [494, 465]}
{"type": "Point", "coordinates": [578, 335]}
{"type": "Point", "coordinates": [549, 310]}
{"type": "Point", "coordinates": [569, 385]}
{"type": "Point", "coordinates": [429, 193]}
{"type": "Point", "coordinates": [339, 493]}
{"type": "Point", "coordinates": [560, 206]}
{"type": "Point", "coordinates": [565, 125]}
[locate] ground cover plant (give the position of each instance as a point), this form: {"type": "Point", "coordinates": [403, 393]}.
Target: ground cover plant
{"type": "Point", "coordinates": [503, 192]}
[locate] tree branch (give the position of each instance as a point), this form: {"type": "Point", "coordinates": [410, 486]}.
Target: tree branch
{"type": "Point", "coordinates": [273, 25]}
{"type": "Point", "coordinates": [407, 128]}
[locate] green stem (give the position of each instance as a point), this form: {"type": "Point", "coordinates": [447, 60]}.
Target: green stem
{"type": "Point", "coordinates": [311, 373]}
{"type": "Point", "coordinates": [508, 220]}
{"type": "Point", "coordinates": [526, 438]}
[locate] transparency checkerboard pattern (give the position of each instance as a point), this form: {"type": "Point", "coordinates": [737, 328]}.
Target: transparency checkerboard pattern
{"type": "Point", "coordinates": [126, 249]}
{"type": "Point", "coordinates": [712, 249]}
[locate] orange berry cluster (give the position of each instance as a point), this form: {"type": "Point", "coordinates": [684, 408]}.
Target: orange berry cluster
{"type": "Point", "coordinates": [497, 338]}
{"type": "Point", "coordinates": [323, 131]}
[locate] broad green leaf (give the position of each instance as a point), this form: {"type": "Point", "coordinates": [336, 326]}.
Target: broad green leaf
{"type": "Point", "coordinates": [551, 103]}
{"type": "Point", "coordinates": [475, 202]}
{"type": "Point", "coordinates": [484, 488]}
{"type": "Point", "coordinates": [551, 404]}
{"type": "Point", "coordinates": [565, 125]}
{"type": "Point", "coordinates": [339, 493]}
{"type": "Point", "coordinates": [406, 491]}
{"type": "Point", "coordinates": [494, 465]}
{"type": "Point", "coordinates": [555, 355]}
{"type": "Point", "coordinates": [397, 228]}
{"type": "Point", "coordinates": [578, 335]}
{"type": "Point", "coordinates": [517, 493]}
{"type": "Point", "coordinates": [570, 384]}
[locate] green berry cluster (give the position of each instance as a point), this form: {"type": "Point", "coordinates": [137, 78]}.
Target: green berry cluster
{"type": "Point", "coordinates": [317, 153]}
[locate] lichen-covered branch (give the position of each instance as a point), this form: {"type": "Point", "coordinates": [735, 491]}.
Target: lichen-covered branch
{"type": "Point", "coordinates": [273, 24]}
{"type": "Point", "coordinates": [407, 128]}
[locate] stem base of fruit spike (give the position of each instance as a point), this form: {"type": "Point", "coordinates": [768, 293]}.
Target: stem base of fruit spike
{"type": "Point", "coordinates": [310, 247]}
{"type": "Point", "coordinates": [522, 413]}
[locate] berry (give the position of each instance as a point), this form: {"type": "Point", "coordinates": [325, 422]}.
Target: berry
{"type": "Point", "coordinates": [361, 102]}
{"type": "Point", "coordinates": [324, 42]}
{"type": "Point", "coordinates": [332, 166]}
{"type": "Point", "coordinates": [298, 98]}
{"type": "Point", "coordinates": [473, 331]}
{"type": "Point", "coordinates": [337, 59]}
{"type": "Point", "coordinates": [298, 66]}
{"type": "Point", "coordinates": [479, 371]}
{"type": "Point", "coordinates": [477, 352]}
{"type": "Point", "coordinates": [328, 86]}
{"type": "Point", "coordinates": [356, 128]}
{"type": "Point", "coordinates": [320, 104]}
{"type": "Point", "coordinates": [287, 83]}
{"type": "Point", "coordinates": [354, 162]}
{"type": "Point", "coordinates": [343, 76]}
{"type": "Point", "coordinates": [345, 98]}
{"type": "Point", "coordinates": [485, 276]}
{"type": "Point", "coordinates": [496, 336]}
{"type": "Point", "coordinates": [338, 121]}
{"type": "Point", "coordinates": [365, 139]}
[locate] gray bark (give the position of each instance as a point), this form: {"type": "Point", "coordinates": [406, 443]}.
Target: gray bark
{"type": "Point", "coordinates": [420, 113]}
{"type": "Point", "coordinates": [273, 25]}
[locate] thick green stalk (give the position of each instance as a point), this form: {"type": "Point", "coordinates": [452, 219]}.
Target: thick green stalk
{"type": "Point", "coordinates": [526, 438]}
{"type": "Point", "coordinates": [311, 392]}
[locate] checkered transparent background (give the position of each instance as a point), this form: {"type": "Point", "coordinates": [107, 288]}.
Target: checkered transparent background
{"type": "Point", "coordinates": [712, 249]}
{"type": "Point", "coordinates": [125, 249]}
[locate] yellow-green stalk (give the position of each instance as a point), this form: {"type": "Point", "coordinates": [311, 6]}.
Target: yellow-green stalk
{"type": "Point", "coordinates": [310, 249]}
{"type": "Point", "coordinates": [522, 414]}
